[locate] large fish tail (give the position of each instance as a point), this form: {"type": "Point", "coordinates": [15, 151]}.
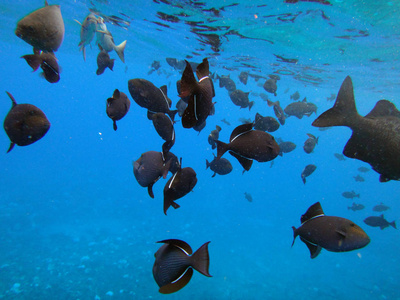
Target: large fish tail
{"type": "Point", "coordinates": [33, 60]}
{"type": "Point", "coordinates": [200, 260]}
{"type": "Point", "coordinates": [343, 112]}
{"type": "Point", "coordinates": [120, 50]}
{"type": "Point", "coordinates": [294, 234]}
{"type": "Point", "coordinates": [221, 148]}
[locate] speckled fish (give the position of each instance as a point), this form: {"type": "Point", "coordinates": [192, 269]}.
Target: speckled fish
{"type": "Point", "coordinates": [104, 61]}
{"type": "Point", "coordinates": [201, 94]}
{"type": "Point", "coordinates": [269, 124]}
{"type": "Point", "coordinates": [43, 28]}
{"type": "Point", "coordinates": [334, 234]}
{"type": "Point", "coordinates": [226, 82]}
{"type": "Point", "coordinates": [25, 124]}
{"type": "Point", "coordinates": [307, 171]}
{"type": "Point", "coordinates": [165, 129]}
{"type": "Point", "coordinates": [243, 76]}
{"type": "Point", "coordinates": [350, 195]}
{"type": "Point", "coordinates": [241, 99]}
{"type": "Point", "coordinates": [178, 186]}
{"type": "Point", "coordinates": [174, 264]}
{"type": "Point", "coordinates": [356, 206]}
{"type": "Point", "coordinates": [375, 138]}
{"type": "Point", "coordinates": [285, 147]}
{"type": "Point", "coordinates": [106, 40]}
{"type": "Point", "coordinates": [148, 96]}
{"type": "Point", "coordinates": [220, 166]}
{"type": "Point", "coordinates": [247, 145]}
{"type": "Point", "coordinates": [380, 222]}
{"type": "Point", "coordinates": [310, 143]}
{"type": "Point", "coordinates": [117, 107]}
{"type": "Point", "coordinates": [270, 86]}
{"type": "Point", "coordinates": [300, 109]}
{"type": "Point", "coordinates": [88, 30]}
{"type": "Point", "coordinates": [380, 207]}
{"type": "Point", "coordinates": [279, 113]}
{"type": "Point", "coordinates": [47, 61]}
{"type": "Point", "coordinates": [214, 135]}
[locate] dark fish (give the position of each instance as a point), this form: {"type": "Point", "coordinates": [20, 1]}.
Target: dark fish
{"type": "Point", "coordinates": [334, 234]}
{"type": "Point", "coordinates": [280, 115]}
{"type": "Point", "coordinates": [356, 206]}
{"type": "Point", "coordinates": [165, 129]}
{"type": "Point", "coordinates": [154, 67]}
{"type": "Point", "coordinates": [214, 135]}
{"type": "Point", "coordinates": [200, 127]}
{"type": "Point", "coordinates": [24, 124]}
{"type": "Point", "coordinates": [339, 156]}
{"type": "Point", "coordinates": [350, 195]}
{"type": "Point", "coordinates": [359, 178]}
{"type": "Point", "coordinates": [269, 124]}
{"type": "Point", "coordinates": [174, 264]}
{"type": "Point", "coordinates": [363, 169]}
{"type": "Point", "coordinates": [380, 222]}
{"type": "Point", "coordinates": [150, 167]}
{"type": "Point", "coordinates": [307, 171]}
{"type": "Point", "coordinates": [48, 63]}
{"type": "Point", "coordinates": [104, 61]}
{"type": "Point", "coordinates": [380, 207]}
{"type": "Point", "coordinates": [43, 28]}
{"type": "Point", "coordinates": [179, 185]}
{"type": "Point", "coordinates": [201, 94]}
{"type": "Point", "coordinates": [310, 143]}
{"type": "Point", "coordinates": [117, 107]}
{"type": "Point", "coordinates": [226, 122]}
{"type": "Point", "coordinates": [227, 83]}
{"type": "Point", "coordinates": [147, 95]}
{"type": "Point", "coordinates": [246, 144]}
{"type": "Point", "coordinates": [245, 120]}
{"type": "Point", "coordinates": [270, 86]}
{"type": "Point", "coordinates": [176, 64]}
{"type": "Point", "coordinates": [181, 106]}
{"type": "Point", "coordinates": [88, 30]}
{"type": "Point", "coordinates": [375, 138]}
{"type": "Point", "coordinates": [243, 76]}
{"type": "Point", "coordinates": [285, 147]}
{"type": "Point", "coordinates": [220, 166]}
{"type": "Point", "coordinates": [300, 109]}
{"type": "Point", "coordinates": [248, 197]}
{"type": "Point", "coordinates": [295, 96]}
{"type": "Point", "coordinates": [240, 98]}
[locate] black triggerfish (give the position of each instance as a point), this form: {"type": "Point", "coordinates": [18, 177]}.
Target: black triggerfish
{"type": "Point", "coordinates": [174, 264]}
{"type": "Point", "coordinates": [334, 234]}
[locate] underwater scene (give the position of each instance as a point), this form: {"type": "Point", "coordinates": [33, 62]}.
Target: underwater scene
{"type": "Point", "coordinates": [184, 149]}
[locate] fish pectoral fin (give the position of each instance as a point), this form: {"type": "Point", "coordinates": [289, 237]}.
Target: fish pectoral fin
{"type": "Point", "coordinates": [245, 162]}
{"type": "Point", "coordinates": [314, 249]}
{"type": "Point", "coordinates": [77, 22]}
{"type": "Point", "coordinates": [177, 284]}
{"type": "Point", "coordinates": [342, 233]}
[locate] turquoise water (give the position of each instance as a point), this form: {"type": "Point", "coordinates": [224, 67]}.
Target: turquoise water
{"type": "Point", "coordinates": [74, 222]}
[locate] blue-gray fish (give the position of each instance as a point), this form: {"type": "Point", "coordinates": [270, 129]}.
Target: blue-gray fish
{"type": "Point", "coordinates": [106, 40]}
{"type": "Point", "coordinates": [88, 30]}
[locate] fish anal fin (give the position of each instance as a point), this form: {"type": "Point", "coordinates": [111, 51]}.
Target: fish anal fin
{"type": "Point", "coordinates": [12, 144]}
{"type": "Point", "coordinates": [203, 69]}
{"type": "Point", "coordinates": [177, 285]}
{"type": "Point", "coordinates": [150, 190]}
{"type": "Point", "coordinates": [314, 249]}
{"type": "Point", "coordinates": [245, 162]}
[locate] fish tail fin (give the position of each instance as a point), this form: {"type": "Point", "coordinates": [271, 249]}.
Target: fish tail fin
{"type": "Point", "coordinates": [111, 64]}
{"type": "Point", "coordinates": [200, 260]}
{"type": "Point", "coordinates": [304, 179]}
{"type": "Point", "coordinates": [115, 125]}
{"type": "Point", "coordinates": [294, 234]}
{"type": "Point", "coordinates": [83, 49]}
{"type": "Point", "coordinates": [120, 50]}
{"type": "Point", "coordinates": [188, 82]}
{"type": "Point", "coordinates": [33, 61]}
{"type": "Point", "coordinates": [343, 112]}
{"type": "Point", "coordinates": [393, 224]}
{"type": "Point", "coordinates": [251, 103]}
{"type": "Point", "coordinates": [207, 164]}
{"type": "Point", "coordinates": [221, 148]}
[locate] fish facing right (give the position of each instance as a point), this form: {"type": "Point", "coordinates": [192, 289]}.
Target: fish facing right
{"type": "Point", "coordinates": [376, 136]}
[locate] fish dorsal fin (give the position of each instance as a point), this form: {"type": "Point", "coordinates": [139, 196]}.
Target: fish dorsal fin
{"type": "Point", "coordinates": [312, 212]}
{"type": "Point", "coordinates": [311, 136]}
{"type": "Point", "coordinates": [164, 89]}
{"type": "Point", "coordinates": [383, 108]}
{"type": "Point", "coordinates": [258, 117]}
{"type": "Point", "coordinates": [240, 130]}
{"type": "Point", "coordinates": [185, 247]}
{"type": "Point", "coordinates": [14, 103]}
{"type": "Point", "coordinates": [203, 69]}
{"type": "Point", "coordinates": [116, 94]}
{"type": "Point", "coordinates": [304, 100]}
{"type": "Point", "coordinates": [188, 82]}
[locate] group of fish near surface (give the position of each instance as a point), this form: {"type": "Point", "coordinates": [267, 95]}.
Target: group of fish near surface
{"type": "Point", "coordinates": [375, 140]}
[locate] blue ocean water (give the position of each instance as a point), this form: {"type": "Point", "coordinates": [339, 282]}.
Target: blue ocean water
{"type": "Point", "coordinates": [74, 222]}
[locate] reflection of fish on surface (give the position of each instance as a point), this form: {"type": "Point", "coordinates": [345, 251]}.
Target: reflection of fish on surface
{"type": "Point", "coordinates": [117, 107]}
{"type": "Point", "coordinates": [88, 30]}
{"type": "Point", "coordinates": [174, 264]}
{"type": "Point", "coordinates": [106, 40]}
{"type": "Point", "coordinates": [380, 222]}
{"type": "Point", "coordinates": [47, 61]}
{"type": "Point", "coordinates": [375, 138]}
{"type": "Point", "coordinates": [24, 124]}
{"type": "Point", "coordinates": [307, 171]}
{"type": "Point", "coordinates": [334, 234]}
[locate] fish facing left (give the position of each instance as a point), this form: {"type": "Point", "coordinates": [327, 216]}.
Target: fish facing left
{"type": "Point", "coordinates": [25, 124]}
{"type": "Point", "coordinates": [334, 234]}
{"type": "Point", "coordinates": [47, 61]}
{"type": "Point", "coordinates": [174, 264]}
{"type": "Point", "coordinates": [42, 28]}
{"type": "Point", "coordinates": [117, 107]}
{"type": "Point", "coordinates": [88, 30]}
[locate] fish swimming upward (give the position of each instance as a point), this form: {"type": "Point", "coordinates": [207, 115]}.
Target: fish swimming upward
{"type": "Point", "coordinates": [334, 234]}
{"type": "Point", "coordinates": [375, 138]}
{"type": "Point", "coordinates": [88, 30]}
{"type": "Point", "coordinates": [106, 41]}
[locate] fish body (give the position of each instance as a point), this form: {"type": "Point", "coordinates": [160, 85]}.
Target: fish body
{"type": "Point", "coordinates": [243, 77]}
{"type": "Point", "coordinates": [200, 92]}
{"type": "Point", "coordinates": [220, 166]}
{"type": "Point", "coordinates": [241, 99]}
{"type": "Point", "coordinates": [295, 96]}
{"type": "Point", "coordinates": [42, 28]}
{"type": "Point", "coordinates": [380, 207]}
{"type": "Point", "coordinates": [174, 264]}
{"type": "Point", "coordinates": [227, 83]}
{"type": "Point", "coordinates": [88, 31]}
{"type": "Point", "coordinates": [247, 145]}
{"type": "Point", "coordinates": [307, 171]}
{"type": "Point", "coordinates": [334, 234]}
{"type": "Point", "coordinates": [286, 147]}
{"type": "Point", "coordinates": [300, 109]}
{"type": "Point", "coordinates": [148, 96]}
{"type": "Point", "coordinates": [104, 61]}
{"type": "Point", "coordinates": [363, 169]}
{"type": "Point", "coordinates": [248, 197]}
{"type": "Point", "coordinates": [356, 206]}
{"type": "Point", "coordinates": [24, 124]}
{"type": "Point", "coordinates": [270, 86]}
{"type": "Point", "coordinates": [117, 107]}
{"type": "Point", "coordinates": [268, 124]}
{"type": "Point", "coordinates": [106, 40]}
{"type": "Point", "coordinates": [279, 113]}
{"type": "Point", "coordinates": [165, 129]}
{"type": "Point", "coordinates": [359, 178]}
{"type": "Point", "coordinates": [376, 136]}
{"type": "Point", "coordinates": [350, 195]}
{"type": "Point", "coordinates": [48, 63]}
{"type": "Point", "coordinates": [380, 222]}
{"type": "Point", "coordinates": [310, 143]}
{"type": "Point", "coordinates": [214, 135]}
{"type": "Point", "coordinates": [339, 156]}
